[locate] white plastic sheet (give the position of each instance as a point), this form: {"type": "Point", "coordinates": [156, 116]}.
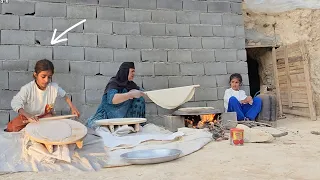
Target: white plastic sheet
{"type": "Point", "coordinates": [277, 6]}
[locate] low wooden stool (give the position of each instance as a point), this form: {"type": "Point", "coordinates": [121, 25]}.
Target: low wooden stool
{"type": "Point", "coordinates": [110, 123]}
{"type": "Point", "coordinates": [78, 132]}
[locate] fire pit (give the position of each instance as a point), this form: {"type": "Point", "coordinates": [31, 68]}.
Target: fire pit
{"type": "Point", "coordinates": [199, 118]}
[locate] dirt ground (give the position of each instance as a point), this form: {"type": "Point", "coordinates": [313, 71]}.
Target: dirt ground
{"type": "Point", "coordinates": [295, 156]}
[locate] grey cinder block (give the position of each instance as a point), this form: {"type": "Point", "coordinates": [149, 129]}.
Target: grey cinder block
{"type": "Point", "coordinates": [205, 81]}
{"type": "Point", "coordinates": [166, 69]}
{"type": "Point", "coordinates": [229, 120]}
{"type": "Point", "coordinates": [45, 9]}
{"type": "Point", "coordinates": [60, 66]}
{"type": "Point", "coordinates": [9, 52]}
{"type": "Point", "coordinates": [98, 26]}
{"type": "Point", "coordinates": [154, 83]}
{"type": "Point", "coordinates": [126, 28]}
{"type": "Point", "coordinates": [18, 8]}
{"type": "Point", "coordinates": [44, 38]}
{"type": "Point", "coordinates": [236, 8]}
{"type": "Point", "coordinates": [177, 30]}
{"type": "Point", "coordinates": [192, 69]}
{"type": "Point", "coordinates": [159, 16]}
{"type": "Point", "coordinates": [109, 69]}
{"type": "Point", "coordinates": [84, 67]}
{"type": "Point", "coordinates": [212, 42]}
{"type": "Point", "coordinates": [9, 22]}
{"type": "Point", "coordinates": [87, 2]}
{"type": "Point", "coordinates": [94, 96]}
{"type": "Point", "coordinates": [179, 56]}
{"type": "Point", "coordinates": [13, 65]}
{"type": "Point", "coordinates": [111, 14]}
{"type": "Point", "coordinates": [62, 24]}
{"type": "Point", "coordinates": [206, 94]}
{"type": "Point", "coordinates": [195, 6]}
{"type": "Point", "coordinates": [4, 80]}
{"type": "Point", "coordinates": [35, 53]}
{"type": "Point", "coordinates": [114, 3]}
{"type": "Point", "coordinates": [215, 68]}
{"type": "Point", "coordinates": [144, 69]}
{"type": "Point", "coordinates": [223, 80]}
{"type": "Point", "coordinates": [219, 7]}
{"type": "Point", "coordinates": [19, 79]}
{"type": "Point", "coordinates": [68, 53]}
{"type": "Point", "coordinates": [242, 55]}
{"type": "Point", "coordinates": [237, 67]}
{"type": "Point", "coordinates": [137, 15]}
{"type": "Point", "coordinates": [232, 19]}
{"type": "Point", "coordinates": [70, 82]}
{"type": "Point", "coordinates": [169, 4]}
{"type": "Point", "coordinates": [201, 30]}
{"type": "Point", "coordinates": [235, 43]}
{"type": "Point", "coordinates": [80, 39]}
{"type": "Point", "coordinates": [222, 31]}
{"type": "Point", "coordinates": [188, 17]}
{"type": "Point", "coordinates": [81, 11]}
{"type": "Point", "coordinates": [124, 55]}
{"type": "Point", "coordinates": [154, 55]}
{"type": "Point", "coordinates": [35, 23]}
{"type": "Point", "coordinates": [17, 37]}
{"type": "Point", "coordinates": [5, 100]}
{"type": "Point", "coordinates": [98, 54]}
{"type": "Point", "coordinates": [96, 82]}
{"type": "Point", "coordinates": [143, 4]}
{"type": "Point", "coordinates": [203, 55]}
{"type": "Point", "coordinates": [153, 29]}
{"type": "Point", "coordinates": [189, 42]}
{"type": "Point", "coordinates": [225, 55]}
{"type": "Point", "coordinates": [173, 123]}
{"type": "Point", "coordinates": [211, 18]}
{"type": "Point", "coordinates": [165, 42]}
{"type": "Point", "coordinates": [179, 81]}
{"type": "Point", "coordinates": [111, 41]}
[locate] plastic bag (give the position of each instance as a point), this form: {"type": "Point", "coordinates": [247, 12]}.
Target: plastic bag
{"type": "Point", "coordinates": [277, 6]}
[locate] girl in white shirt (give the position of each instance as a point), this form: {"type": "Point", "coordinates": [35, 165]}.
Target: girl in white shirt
{"type": "Point", "coordinates": [37, 98]}
{"type": "Point", "coordinates": [236, 100]}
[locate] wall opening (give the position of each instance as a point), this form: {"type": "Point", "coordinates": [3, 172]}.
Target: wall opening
{"type": "Point", "coordinates": [260, 69]}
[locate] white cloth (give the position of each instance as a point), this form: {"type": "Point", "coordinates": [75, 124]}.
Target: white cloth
{"type": "Point", "coordinates": [240, 95]}
{"type": "Point", "coordinates": [131, 140]}
{"type": "Point", "coordinates": [34, 100]}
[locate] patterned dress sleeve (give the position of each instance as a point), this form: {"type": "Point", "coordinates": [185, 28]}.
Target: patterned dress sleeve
{"type": "Point", "coordinates": [110, 95]}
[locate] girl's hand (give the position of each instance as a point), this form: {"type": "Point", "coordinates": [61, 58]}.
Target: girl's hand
{"type": "Point", "coordinates": [75, 111]}
{"type": "Point", "coordinates": [31, 119]}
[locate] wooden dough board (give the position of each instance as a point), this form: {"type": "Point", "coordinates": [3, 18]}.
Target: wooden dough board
{"type": "Point", "coordinates": [79, 131]}
{"type": "Point", "coordinates": [121, 121]}
{"type": "Point", "coordinates": [57, 117]}
{"type": "Point", "coordinates": [196, 111]}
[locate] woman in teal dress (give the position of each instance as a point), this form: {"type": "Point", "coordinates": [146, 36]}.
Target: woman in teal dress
{"type": "Point", "coordinates": [122, 97]}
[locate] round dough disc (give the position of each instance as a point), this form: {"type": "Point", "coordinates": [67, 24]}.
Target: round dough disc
{"type": "Point", "coordinates": [54, 130]}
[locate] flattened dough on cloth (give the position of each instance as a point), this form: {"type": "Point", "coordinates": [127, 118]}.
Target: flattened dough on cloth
{"type": "Point", "coordinates": [54, 130]}
{"type": "Point", "coordinates": [172, 97]}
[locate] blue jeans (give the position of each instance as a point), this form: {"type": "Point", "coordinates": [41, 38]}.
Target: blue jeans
{"type": "Point", "coordinates": [245, 110]}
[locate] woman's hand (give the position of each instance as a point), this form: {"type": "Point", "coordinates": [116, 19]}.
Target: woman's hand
{"type": "Point", "coordinates": [75, 111]}
{"type": "Point", "coordinates": [135, 93]}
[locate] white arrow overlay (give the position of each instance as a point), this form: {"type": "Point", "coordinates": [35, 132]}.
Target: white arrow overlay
{"type": "Point", "coordinates": [58, 40]}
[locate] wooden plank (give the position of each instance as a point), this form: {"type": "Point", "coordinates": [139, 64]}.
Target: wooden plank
{"type": "Point", "coordinates": [302, 105]}
{"type": "Point", "coordinates": [288, 76]}
{"type": "Point", "coordinates": [308, 84]}
{"type": "Point", "coordinates": [275, 71]}
{"type": "Point", "coordinates": [296, 112]}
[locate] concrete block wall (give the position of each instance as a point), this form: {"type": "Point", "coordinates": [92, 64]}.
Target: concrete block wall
{"type": "Point", "coordinates": [173, 43]}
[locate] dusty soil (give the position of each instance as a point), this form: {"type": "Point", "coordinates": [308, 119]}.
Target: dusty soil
{"type": "Point", "coordinates": [289, 27]}
{"type": "Point", "coordinates": [295, 156]}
